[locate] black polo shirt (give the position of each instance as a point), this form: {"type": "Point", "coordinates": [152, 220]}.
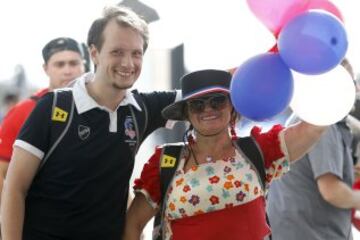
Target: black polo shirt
{"type": "Point", "coordinates": [82, 190]}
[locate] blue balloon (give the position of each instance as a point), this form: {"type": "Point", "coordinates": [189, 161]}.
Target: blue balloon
{"type": "Point", "coordinates": [313, 42]}
{"type": "Point", "coordinates": [262, 87]}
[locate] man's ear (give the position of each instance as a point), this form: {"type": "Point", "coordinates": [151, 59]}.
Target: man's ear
{"type": "Point", "coordinates": [94, 54]}
{"type": "Point", "coordinates": [45, 67]}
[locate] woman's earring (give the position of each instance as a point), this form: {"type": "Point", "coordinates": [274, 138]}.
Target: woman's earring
{"type": "Point", "coordinates": [190, 138]}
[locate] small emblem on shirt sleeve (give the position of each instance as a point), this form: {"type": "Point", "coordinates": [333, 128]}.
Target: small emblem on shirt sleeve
{"type": "Point", "coordinates": [59, 115]}
{"type": "Point", "coordinates": [168, 161]}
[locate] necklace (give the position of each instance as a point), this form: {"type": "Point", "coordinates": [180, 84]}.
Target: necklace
{"type": "Point", "coordinates": [208, 158]}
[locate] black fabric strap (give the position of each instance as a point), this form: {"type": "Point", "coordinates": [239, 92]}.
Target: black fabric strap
{"type": "Point", "coordinates": [169, 161]}
{"type": "Point", "coordinates": [167, 173]}
{"type": "Point", "coordinates": [141, 119]}
{"type": "Point", "coordinates": [64, 101]}
{"type": "Point", "coordinates": [250, 148]}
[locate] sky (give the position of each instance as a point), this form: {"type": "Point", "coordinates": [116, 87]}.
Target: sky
{"type": "Point", "coordinates": [219, 34]}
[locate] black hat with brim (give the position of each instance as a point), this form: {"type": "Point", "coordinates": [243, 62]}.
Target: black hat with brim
{"type": "Point", "coordinates": [197, 84]}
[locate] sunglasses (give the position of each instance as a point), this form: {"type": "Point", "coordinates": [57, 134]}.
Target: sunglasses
{"type": "Point", "coordinates": [215, 101]}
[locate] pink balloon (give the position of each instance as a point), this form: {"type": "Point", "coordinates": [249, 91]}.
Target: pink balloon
{"type": "Point", "coordinates": [276, 13]}
{"type": "Point", "coordinates": [326, 6]}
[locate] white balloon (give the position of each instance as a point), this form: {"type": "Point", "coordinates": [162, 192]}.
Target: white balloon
{"type": "Point", "coordinates": [323, 99]}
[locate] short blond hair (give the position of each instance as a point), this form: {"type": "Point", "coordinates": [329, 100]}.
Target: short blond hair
{"type": "Point", "coordinates": [124, 17]}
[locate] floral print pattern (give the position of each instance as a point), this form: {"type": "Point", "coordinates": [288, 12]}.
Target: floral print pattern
{"type": "Point", "coordinates": [217, 185]}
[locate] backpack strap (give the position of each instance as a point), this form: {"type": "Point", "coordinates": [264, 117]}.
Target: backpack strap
{"type": "Point", "coordinates": [62, 114]}
{"type": "Point", "coordinates": [252, 152]}
{"type": "Point", "coordinates": [140, 119]}
{"type": "Point", "coordinates": [169, 161]}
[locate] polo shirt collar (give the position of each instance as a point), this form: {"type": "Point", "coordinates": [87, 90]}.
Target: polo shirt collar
{"type": "Point", "coordinates": [84, 102]}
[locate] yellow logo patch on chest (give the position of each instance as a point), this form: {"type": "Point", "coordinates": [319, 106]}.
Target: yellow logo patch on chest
{"type": "Point", "coordinates": [59, 115]}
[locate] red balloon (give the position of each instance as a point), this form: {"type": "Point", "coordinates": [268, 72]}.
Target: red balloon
{"type": "Point", "coordinates": [274, 49]}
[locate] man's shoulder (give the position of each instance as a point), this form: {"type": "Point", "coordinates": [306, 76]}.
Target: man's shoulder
{"type": "Point", "coordinates": [155, 93]}
{"type": "Point", "coordinates": [64, 91]}
{"type": "Point", "coordinates": [333, 134]}
{"type": "Point", "coordinates": [24, 107]}
{"type": "Point", "coordinates": [40, 93]}
{"type": "Point", "coordinates": [155, 98]}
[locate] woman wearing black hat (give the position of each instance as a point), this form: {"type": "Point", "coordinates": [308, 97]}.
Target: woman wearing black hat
{"type": "Point", "coordinates": [216, 190]}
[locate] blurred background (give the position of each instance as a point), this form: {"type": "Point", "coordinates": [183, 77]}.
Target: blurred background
{"type": "Point", "coordinates": [185, 35]}
{"type": "Point", "coordinates": [214, 33]}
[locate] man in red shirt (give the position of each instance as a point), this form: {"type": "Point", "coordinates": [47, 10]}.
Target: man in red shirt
{"type": "Point", "coordinates": [63, 62]}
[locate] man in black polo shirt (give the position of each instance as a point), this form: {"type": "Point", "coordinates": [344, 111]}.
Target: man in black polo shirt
{"type": "Point", "coordinates": [81, 192]}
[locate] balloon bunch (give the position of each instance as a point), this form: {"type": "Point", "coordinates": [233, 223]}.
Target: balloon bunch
{"type": "Point", "coordinates": [311, 41]}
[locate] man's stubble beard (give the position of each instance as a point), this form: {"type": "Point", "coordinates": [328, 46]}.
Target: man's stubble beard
{"type": "Point", "coordinates": [117, 87]}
